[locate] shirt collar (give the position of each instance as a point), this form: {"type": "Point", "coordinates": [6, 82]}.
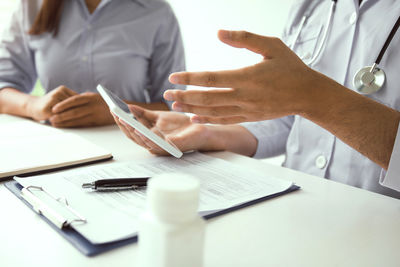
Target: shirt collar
{"type": "Point", "coordinates": [142, 2]}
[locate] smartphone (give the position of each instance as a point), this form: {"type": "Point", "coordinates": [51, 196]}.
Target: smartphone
{"type": "Point", "coordinates": [120, 109]}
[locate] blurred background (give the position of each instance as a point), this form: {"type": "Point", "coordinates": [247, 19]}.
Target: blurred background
{"type": "Point", "coordinates": [200, 20]}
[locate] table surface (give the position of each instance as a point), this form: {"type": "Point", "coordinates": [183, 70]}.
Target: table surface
{"type": "Point", "coordinates": [323, 224]}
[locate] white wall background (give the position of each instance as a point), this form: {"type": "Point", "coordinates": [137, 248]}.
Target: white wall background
{"type": "Point", "coordinates": [201, 19]}
{"type": "Point", "coordinates": [6, 8]}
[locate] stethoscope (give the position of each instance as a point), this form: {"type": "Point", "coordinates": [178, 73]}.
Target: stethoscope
{"type": "Point", "coordinates": [367, 80]}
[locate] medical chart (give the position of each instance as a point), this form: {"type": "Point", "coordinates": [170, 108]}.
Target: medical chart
{"type": "Point", "coordinates": [113, 216]}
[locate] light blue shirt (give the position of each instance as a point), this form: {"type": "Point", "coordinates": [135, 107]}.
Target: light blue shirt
{"type": "Point", "coordinates": [129, 46]}
{"type": "Point", "coordinates": [355, 40]}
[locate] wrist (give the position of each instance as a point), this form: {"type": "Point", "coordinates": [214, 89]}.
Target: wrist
{"type": "Point", "coordinates": [214, 139]}
{"type": "Point", "coordinates": [28, 106]}
{"type": "Point", "coordinates": [316, 99]}
{"type": "Point", "coordinates": [234, 138]}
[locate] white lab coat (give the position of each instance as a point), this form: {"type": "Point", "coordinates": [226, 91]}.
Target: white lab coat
{"type": "Point", "coordinates": [355, 40]}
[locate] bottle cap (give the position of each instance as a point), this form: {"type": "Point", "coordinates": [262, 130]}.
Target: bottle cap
{"type": "Point", "coordinates": [173, 197]}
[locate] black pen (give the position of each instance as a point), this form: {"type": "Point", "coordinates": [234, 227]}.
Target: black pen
{"type": "Point", "coordinates": [117, 184]}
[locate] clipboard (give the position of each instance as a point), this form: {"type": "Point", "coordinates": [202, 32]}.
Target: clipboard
{"type": "Point", "coordinates": [89, 249]}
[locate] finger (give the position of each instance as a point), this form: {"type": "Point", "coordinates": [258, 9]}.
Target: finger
{"type": "Point", "coordinates": [69, 92]}
{"type": "Point", "coordinates": [221, 111]}
{"type": "Point", "coordinates": [132, 134]}
{"type": "Point", "coordinates": [124, 129]}
{"type": "Point", "coordinates": [221, 79]}
{"type": "Point", "coordinates": [218, 120]}
{"type": "Point", "coordinates": [215, 97]}
{"type": "Point", "coordinates": [54, 99]}
{"type": "Point", "coordinates": [71, 114]}
{"type": "Point", "coordinates": [66, 90]}
{"type": "Point", "coordinates": [262, 45]}
{"type": "Point", "coordinates": [146, 117]}
{"type": "Point", "coordinates": [141, 112]}
{"type": "Point", "coordinates": [73, 101]}
{"type": "Point", "coordinates": [152, 147]}
{"type": "Point", "coordinates": [74, 123]}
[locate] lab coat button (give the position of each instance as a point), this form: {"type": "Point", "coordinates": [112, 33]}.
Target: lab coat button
{"type": "Point", "coordinates": [353, 18]}
{"type": "Point", "coordinates": [306, 56]}
{"type": "Point", "coordinates": [320, 162]}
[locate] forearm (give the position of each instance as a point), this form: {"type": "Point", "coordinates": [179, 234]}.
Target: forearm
{"type": "Point", "coordinates": [234, 138]}
{"type": "Point", "coordinates": [366, 125]}
{"type": "Point", "coordinates": [14, 102]}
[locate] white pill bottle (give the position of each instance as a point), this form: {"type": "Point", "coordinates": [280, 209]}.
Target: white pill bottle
{"type": "Point", "coordinates": [171, 233]}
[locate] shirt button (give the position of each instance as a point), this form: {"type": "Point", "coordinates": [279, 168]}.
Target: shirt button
{"type": "Point", "coordinates": [84, 58]}
{"type": "Point", "coordinates": [320, 162]}
{"type": "Point", "coordinates": [353, 18]}
{"type": "Point", "coordinates": [306, 56]}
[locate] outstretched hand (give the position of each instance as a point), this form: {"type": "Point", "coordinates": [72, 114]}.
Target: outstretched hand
{"type": "Point", "coordinates": [277, 86]}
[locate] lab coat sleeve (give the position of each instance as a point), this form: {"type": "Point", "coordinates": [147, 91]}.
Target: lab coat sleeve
{"type": "Point", "coordinates": [17, 65]}
{"type": "Point", "coordinates": [168, 57]}
{"type": "Point", "coordinates": [391, 177]}
{"type": "Point", "coordinates": [271, 135]}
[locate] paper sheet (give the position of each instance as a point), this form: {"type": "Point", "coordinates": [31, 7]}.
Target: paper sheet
{"type": "Point", "coordinates": [113, 216]}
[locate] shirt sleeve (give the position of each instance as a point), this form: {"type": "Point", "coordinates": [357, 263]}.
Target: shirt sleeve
{"type": "Point", "coordinates": [17, 66]}
{"type": "Point", "coordinates": [271, 135]}
{"type": "Point", "coordinates": [168, 57]}
{"type": "Point", "coordinates": [391, 177]}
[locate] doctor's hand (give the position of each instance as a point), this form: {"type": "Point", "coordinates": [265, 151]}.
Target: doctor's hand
{"type": "Point", "coordinates": [277, 86]}
{"type": "Point", "coordinates": [173, 126]}
{"type": "Point", "coordinates": [40, 108]}
{"type": "Point", "coordinates": [81, 110]}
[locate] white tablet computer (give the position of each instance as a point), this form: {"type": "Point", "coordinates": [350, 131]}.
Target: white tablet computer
{"type": "Point", "coordinates": [119, 108]}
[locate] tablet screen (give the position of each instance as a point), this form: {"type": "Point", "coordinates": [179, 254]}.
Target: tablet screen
{"type": "Point", "coordinates": [118, 101]}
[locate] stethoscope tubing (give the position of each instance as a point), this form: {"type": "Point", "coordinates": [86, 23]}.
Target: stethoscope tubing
{"type": "Point", "coordinates": [361, 83]}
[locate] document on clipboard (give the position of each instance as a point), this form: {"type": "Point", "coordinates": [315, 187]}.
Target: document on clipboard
{"type": "Point", "coordinates": [224, 187]}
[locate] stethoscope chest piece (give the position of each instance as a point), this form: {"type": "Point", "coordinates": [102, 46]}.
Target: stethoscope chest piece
{"type": "Point", "coordinates": [369, 80]}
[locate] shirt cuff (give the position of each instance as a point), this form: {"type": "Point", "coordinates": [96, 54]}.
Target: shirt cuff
{"type": "Point", "coordinates": [271, 137]}
{"type": "Point", "coordinates": [14, 86]}
{"type": "Point", "coordinates": [390, 178]}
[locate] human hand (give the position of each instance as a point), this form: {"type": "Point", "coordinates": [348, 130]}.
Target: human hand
{"type": "Point", "coordinates": [40, 107]}
{"type": "Point", "coordinates": [172, 126]}
{"type": "Point", "coordinates": [277, 86]}
{"type": "Point", "coordinates": [81, 110]}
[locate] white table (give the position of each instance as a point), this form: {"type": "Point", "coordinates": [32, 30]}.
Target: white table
{"type": "Point", "coordinates": [323, 224]}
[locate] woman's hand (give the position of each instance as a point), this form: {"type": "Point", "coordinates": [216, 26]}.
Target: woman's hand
{"type": "Point", "coordinates": [83, 110]}
{"type": "Point", "coordinates": [40, 107]}
{"type": "Point", "coordinates": [172, 126]}
{"type": "Point", "coordinates": [280, 85]}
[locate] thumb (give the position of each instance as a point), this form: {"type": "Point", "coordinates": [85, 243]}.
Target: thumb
{"type": "Point", "coordinates": [262, 45]}
{"type": "Point", "coordinates": [147, 117]}
{"type": "Point", "coordinates": [136, 110]}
